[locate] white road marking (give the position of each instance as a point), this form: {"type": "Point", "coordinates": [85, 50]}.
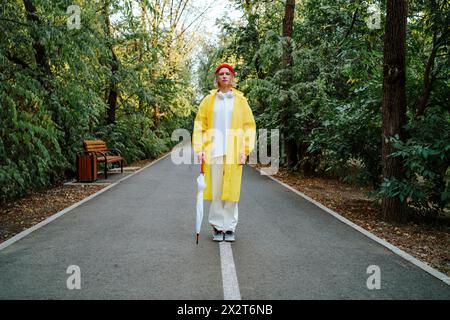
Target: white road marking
{"type": "Point", "coordinates": [229, 277]}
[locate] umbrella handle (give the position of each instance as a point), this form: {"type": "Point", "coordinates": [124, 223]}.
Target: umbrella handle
{"type": "Point", "coordinates": [203, 167]}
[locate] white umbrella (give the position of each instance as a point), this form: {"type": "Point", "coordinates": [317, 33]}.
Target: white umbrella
{"type": "Point", "coordinates": [201, 185]}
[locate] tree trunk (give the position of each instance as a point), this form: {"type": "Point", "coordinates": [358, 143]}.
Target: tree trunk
{"type": "Point", "coordinates": [141, 45]}
{"type": "Point", "coordinates": [114, 65]}
{"type": "Point", "coordinates": [288, 23]}
{"type": "Point", "coordinates": [438, 40]}
{"type": "Point", "coordinates": [428, 80]}
{"type": "Point", "coordinates": [394, 102]}
{"type": "Point", "coordinates": [113, 91]}
{"type": "Point", "coordinates": [156, 117]}
{"type": "Point", "coordinates": [39, 49]}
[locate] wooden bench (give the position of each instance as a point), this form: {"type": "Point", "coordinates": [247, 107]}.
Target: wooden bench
{"type": "Point", "coordinates": [100, 150]}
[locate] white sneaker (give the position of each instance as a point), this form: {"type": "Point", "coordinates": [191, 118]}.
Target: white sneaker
{"type": "Point", "coordinates": [218, 235]}
{"type": "Point", "coordinates": [229, 236]}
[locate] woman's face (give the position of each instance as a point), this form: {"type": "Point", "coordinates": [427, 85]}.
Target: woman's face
{"type": "Point", "coordinates": [224, 77]}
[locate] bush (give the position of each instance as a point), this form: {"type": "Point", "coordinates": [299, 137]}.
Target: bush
{"type": "Point", "coordinates": [133, 137]}
{"type": "Point", "coordinates": [426, 159]}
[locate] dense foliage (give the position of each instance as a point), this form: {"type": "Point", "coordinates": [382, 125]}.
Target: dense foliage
{"type": "Point", "coordinates": [329, 100]}
{"type": "Point", "coordinates": [119, 76]}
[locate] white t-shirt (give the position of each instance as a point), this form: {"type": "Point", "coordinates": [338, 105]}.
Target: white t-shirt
{"type": "Point", "coordinates": [223, 110]}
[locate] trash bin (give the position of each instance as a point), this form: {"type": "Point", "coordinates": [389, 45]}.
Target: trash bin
{"type": "Point", "coordinates": [86, 167]}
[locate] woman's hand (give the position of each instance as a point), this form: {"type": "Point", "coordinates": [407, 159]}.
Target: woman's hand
{"type": "Point", "coordinates": [242, 158]}
{"type": "Point", "coordinates": [201, 156]}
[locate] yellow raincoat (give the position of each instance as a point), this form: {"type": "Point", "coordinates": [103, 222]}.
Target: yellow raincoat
{"type": "Point", "coordinates": [241, 139]}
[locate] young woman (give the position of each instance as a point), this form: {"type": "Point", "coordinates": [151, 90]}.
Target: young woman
{"type": "Point", "coordinates": [224, 135]}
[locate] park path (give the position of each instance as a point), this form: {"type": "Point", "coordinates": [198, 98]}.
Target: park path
{"type": "Point", "coordinates": [136, 241]}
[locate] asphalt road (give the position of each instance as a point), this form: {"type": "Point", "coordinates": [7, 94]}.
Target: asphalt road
{"type": "Point", "coordinates": [136, 241]}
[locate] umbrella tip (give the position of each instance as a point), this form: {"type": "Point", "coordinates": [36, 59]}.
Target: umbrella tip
{"type": "Point", "coordinates": [197, 238]}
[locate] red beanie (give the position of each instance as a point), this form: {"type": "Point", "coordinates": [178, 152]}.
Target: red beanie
{"type": "Point", "coordinates": [224, 65]}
